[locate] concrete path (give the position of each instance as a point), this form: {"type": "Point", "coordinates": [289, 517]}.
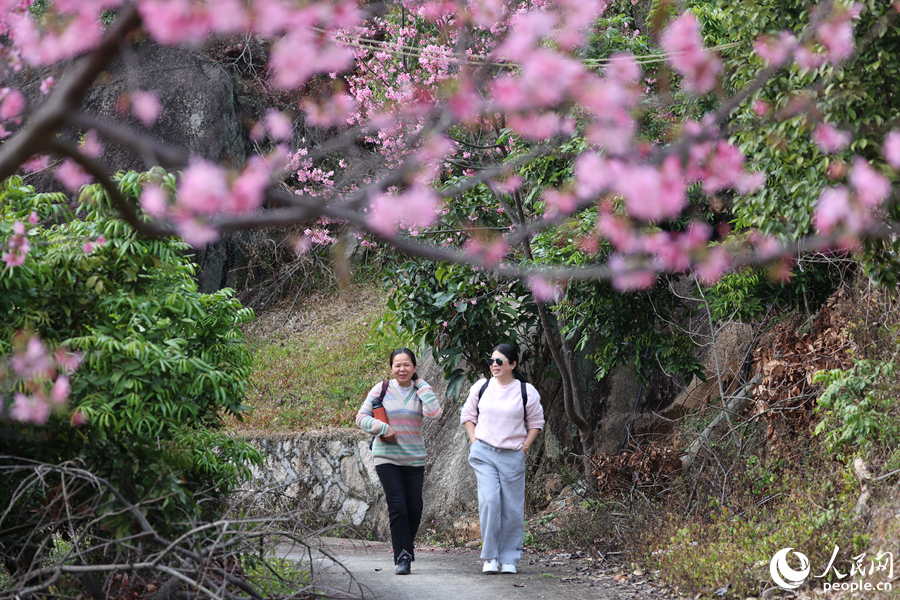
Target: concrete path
{"type": "Point", "coordinates": [356, 569]}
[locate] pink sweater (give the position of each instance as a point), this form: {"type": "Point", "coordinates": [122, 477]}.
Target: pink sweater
{"type": "Point", "coordinates": [499, 418]}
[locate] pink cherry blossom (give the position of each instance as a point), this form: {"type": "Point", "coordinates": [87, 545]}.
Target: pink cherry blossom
{"type": "Point", "coordinates": [47, 85]}
{"type": "Point", "coordinates": [761, 108]}
{"type": "Point", "coordinates": [416, 206]}
{"type": "Point", "coordinates": [88, 247]}
{"type": "Point", "coordinates": [203, 188]}
{"type": "Point", "coordinates": [90, 146]}
{"type": "Point", "coordinates": [892, 149]}
{"type": "Point", "coordinates": [591, 174]}
{"type": "Point", "coordinates": [775, 49]}
{"type": "Point", "coordinates": [653, 193]}
{"type": "Point", "coordinates": [681, 39]}
{"type": "Point", "coordinates": [38, 162]}
{"type": "Point", "coordinates": [495, 252]}
{"type": "Point", "coordinates": [837, 38]}
{"type": "Point", "coordinates": [154, 201]}
{"type": "Point", "coordinates": [78, 418]}
{"type": "Point", "coordinates": [623, 69]}
{"type": "Point", "coordinates": [11, 104]}
{"type": "Point", "coordinates": [71, 175]}
{"type": "Point", "coordinates": [175, 21]}
{"type": "Point", "coordinates": [60, 391]}
{"type": "Point", "coordinates": [53, 44]}
{"type": "Point", "coordinates": [618, 231]}
{"type": "Point", "coordinates": [19, 247]}
{"type": "Point", "coordinates": [749, 182]}
{"type": "Point", "coordinates": [34, 361]}
{"type": "Point", "coordinates": [68, 361]}
{"type": "Point", "coordinates": [485, 13]}
{"type": "Point", "coordinates": [832, 208]}
{"type": "Point", "coordinates": [278, 125]}
{"type": "Point", "coordinates": [30, 409]}
{"type": "Point", "coordinates": [248, 189]}
{"type": "Point", "coordinates": [830, 139]}
{"type": "Point", "coordinates": [807, 59]}
{"type": "Point", "coordinates": [872, 188]}
{"type": "Point", "coordinates": [625, 278]}
{"type": "Point", "coordinates": [543, 289]}
{"type": "Point", "coordinates": [558, 203]}
{"type": "Point", "coordinates": [195, 232]}
{"type": "Point", "coordinates": [724, 166]}
{"type": "Point", "coordinates": [713, 266]}
{"type": "Point", "coordinates": [291, 73]}
{"type": "Point", "coordinates": [335, 111]}
{"type": "Point", "coordinates": [146, 107]}
{"type": "Point", "coordinates": [33, 218]}
{"type": "Point", "coordinates": [18, 228]}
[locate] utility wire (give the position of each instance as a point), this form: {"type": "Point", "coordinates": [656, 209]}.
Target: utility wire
{"type": "Point", "coordinates": [408, 51]}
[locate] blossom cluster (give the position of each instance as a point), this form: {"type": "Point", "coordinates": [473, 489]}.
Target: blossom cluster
{"type": "Point", "coordinates": [18, 246]}
{"type": "Point", "coordinates": [45, 381]}
{"type": "Point", "coordinates": [438, 88]}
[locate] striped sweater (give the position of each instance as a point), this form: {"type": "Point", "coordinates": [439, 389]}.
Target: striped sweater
{"type": "Point", "coordinates": [405, 409]}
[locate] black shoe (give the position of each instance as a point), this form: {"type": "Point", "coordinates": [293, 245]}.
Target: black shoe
{"type": "Point", "coordinates": [403, 566]}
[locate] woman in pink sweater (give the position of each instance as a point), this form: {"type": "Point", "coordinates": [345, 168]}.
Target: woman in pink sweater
{"type": "Point", "coordinates": [502, 416]}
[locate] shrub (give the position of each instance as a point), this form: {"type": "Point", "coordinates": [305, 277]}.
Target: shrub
{"type": "Point", "coordinates": [161, 363]}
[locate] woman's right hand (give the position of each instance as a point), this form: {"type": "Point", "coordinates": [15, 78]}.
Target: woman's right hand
{"type": "Point", "coordinates": [390, 436]}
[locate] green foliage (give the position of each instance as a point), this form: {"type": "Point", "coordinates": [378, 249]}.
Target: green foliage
{"type": "Point", "coordinates": [162, 362]}
{"type": "Point", "coordinates": [748, 294]}
{"type": "Point", "coordinates": [850, 96]}
{"type": "Point", "coordinates": [859, 409]}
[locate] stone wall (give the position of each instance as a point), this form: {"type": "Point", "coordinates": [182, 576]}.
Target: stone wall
{"type": "Point", "coordinates": [322, 477]}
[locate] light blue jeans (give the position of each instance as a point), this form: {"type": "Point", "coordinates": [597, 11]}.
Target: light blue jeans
{"type": "Point", "coordinates": [501, 501]}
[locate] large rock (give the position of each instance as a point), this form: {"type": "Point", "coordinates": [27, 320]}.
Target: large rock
{"type": "Point", "coordinates": [451, 493]}
{"type": "Point", "coordinates": [723, 360]}
{"type": "Point", "coordinates": [201, 116]}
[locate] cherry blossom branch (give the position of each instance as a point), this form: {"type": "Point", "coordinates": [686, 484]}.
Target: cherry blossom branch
{"type": "Point", "coordinates": [66, 97]}
{"type": "Point", "coordinates": [154, 152]}
{"type": "Point", "coordinates": [123, 206]}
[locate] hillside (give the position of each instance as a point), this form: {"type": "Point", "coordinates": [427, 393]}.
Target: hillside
{"type": "Point", "coordinates": [314, 360]}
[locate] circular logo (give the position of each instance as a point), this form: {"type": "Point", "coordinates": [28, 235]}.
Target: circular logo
{"type": "Point", "coordinates": [784, 575]}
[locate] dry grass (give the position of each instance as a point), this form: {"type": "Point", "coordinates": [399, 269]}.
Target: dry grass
{"type": "Point", "coordinates": [313, 364]}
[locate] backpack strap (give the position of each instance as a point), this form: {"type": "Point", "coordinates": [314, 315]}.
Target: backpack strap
{"type": "Point", "coordinates": [524, 401]}
{"type": "Point", "coordinates": [384, 388]}
{"type": "Point", "coordinates": [524, 404]}
{"type": "Point", "coordinates": [379, 403]}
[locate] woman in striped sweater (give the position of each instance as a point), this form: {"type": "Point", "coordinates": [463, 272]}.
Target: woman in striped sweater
{"type": "Point", "coordinates": [399, 448]}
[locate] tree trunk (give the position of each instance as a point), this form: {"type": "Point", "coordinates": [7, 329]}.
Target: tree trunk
{"type": "Point", "coordinates": [564, 358]}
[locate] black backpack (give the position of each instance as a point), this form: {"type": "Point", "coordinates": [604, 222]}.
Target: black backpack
{"type": "Point", "coordinates": [524, 400]}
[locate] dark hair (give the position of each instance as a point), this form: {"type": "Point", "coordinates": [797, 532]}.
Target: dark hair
{"type": "Point", "coordinates": [510, 352]}
{"type": "Point", "coordinates": [408, 352]}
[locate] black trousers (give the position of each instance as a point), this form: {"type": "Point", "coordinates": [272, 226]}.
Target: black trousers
{"type": "Point", "coordinates": [403, 492]}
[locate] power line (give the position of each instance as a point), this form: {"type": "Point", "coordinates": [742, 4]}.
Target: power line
{"type": "Point", "coordinates": [408, 51]}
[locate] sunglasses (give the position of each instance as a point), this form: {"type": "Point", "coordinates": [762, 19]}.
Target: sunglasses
{"type": "Point", "coordinates": [497, 361]}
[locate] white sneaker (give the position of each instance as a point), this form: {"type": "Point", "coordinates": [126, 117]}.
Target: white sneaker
{"type": "Point", "coordinates": [490, 566]}
{"type": "Point", "coordinates": [508, 569]}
